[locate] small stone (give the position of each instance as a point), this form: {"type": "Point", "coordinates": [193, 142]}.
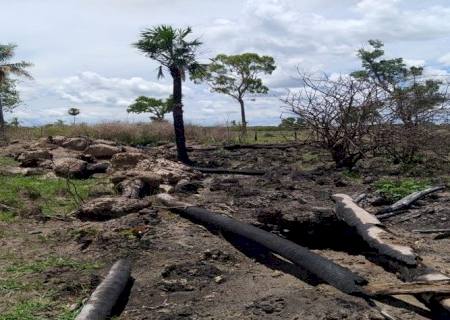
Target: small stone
{"type": "Point", "coordinates": [219, 279]}
{"type": "Point", "coordinates": [277, 274]}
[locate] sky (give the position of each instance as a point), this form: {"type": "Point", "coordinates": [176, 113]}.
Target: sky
{"type": "Point", "coordinates": [83, 57]}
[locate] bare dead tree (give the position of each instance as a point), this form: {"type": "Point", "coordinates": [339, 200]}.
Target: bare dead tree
{"type": "Point", "coordinates": [339, 112]}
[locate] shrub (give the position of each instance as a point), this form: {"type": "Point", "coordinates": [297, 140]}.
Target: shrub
{"type": "Point", "coordinates": [394, 190]}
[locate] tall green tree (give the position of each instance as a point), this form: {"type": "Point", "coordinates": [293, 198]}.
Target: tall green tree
{"type": "Point", "coordinates": [73, 112]}
{"type": "Point", "coordinates": [411, 100]}
{"type": "Point", "coordinates": [158, 107]}
{"type": "Point", "coordinates": [238, 75]}
{"type": "Point", "coordinates": [7, 86]}
{"type": "Point", "coordinates": [172, 49]}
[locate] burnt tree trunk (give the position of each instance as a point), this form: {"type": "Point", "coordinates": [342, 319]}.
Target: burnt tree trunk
{"type": "Point", "coordinates": [178, 122]}
{"type": "Point", "coordinates": [2, 123]}
{"type": "Point", "coordinates": [244, 121]}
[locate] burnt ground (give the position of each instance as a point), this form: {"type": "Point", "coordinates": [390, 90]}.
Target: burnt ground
{"type": "Point", "coordinates": [182, 270]}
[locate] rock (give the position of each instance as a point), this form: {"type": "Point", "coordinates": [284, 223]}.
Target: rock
{"type": "Point", "coordinates": [102, 151]}
{"type": "Point", "coordinates": [340, 182]}
{"type": "Point", "coordinates": [186, 186]}
{"type": "Point", "coordinates": [106, 208]}
{"type": "Point", "coordinates": [34, 158]}
{"type": "Point", "coordinates": [70, 167]}
{"type": "Point", "coordinates": [107, 142]}
{"type": "Point", "coordinates": [100, 190]}
{"type": "Point", "coordinates": [100, 167]}
{"type": "Point", "coordinates": [150, 179]}
{"type": "Point", "coordinates": [57, 140]}
{"type": "Point", "coordinates": [175, 285]}
{"type": "Point", "coordinates": [12, 171]}
{"type": "Point", "coordinates": [277, 274]}
{"type": "Point", "coordinates": [78, 144]}
{"type": "Point", "coordinates": [126, 160]}
{"type": "Point", "coordinates": [86, 157]}
{"type": "Point", "coordinates": [131, 149]}
{"type": "Point", "coordinates": [133, 188]}
{"type": "Point", "coordinates": [166, 188]}
{"type": "Point", "coordinates": [46, 164]}
{"type": "Point", "coordinates": [369, 179]}
{"type": "Point", "coordinates": [170, 171]}
{"type": "Point", "coordinates": [219, 279]}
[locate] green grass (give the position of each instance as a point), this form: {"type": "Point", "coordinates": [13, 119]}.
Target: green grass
{"type": "Point", "coordinates": [29, 297]}
{"type": "Point", "coordinates": [42, 265]}
{"type": "Point", "coordinates": [7, 216]}
{"type": "Point", "coordinates": [27, 310]}
{"type": "Point", "coordinates": [8, 161]}
{"type": "Point", "coordinates": [394, 190]}
{"type": "Point", "coordinates": [50, 195]}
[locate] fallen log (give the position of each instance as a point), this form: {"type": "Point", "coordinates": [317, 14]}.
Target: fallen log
{"type": "Point", "coordinates": [368, 227]}
{"type": "Point", "coordinates": [360, 198]}
{"type": "Point", "coordinates": [103, 299]}
{"type": "Point", "coordinates": [442, 236]}
{"type": "Point", "coordinates": [326, 270]}
{"type": "Point", "coordinates": [230, 171]}
{"type": "Point", "coordinates": [397, 258]}
{"type": "Point", "coordinates": [417, 287]}
{"type": "Point", "coordinates": [432, 231]}
{"type": "Point", "coordinates": [406, 202]}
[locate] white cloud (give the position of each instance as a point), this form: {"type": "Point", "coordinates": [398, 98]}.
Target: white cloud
{"type": "Point", "coordinates": [445, 59]}
{"type": "Point", "coordinates": [91, 88]}
{"type": "Point", "coordinates": [312, 35]}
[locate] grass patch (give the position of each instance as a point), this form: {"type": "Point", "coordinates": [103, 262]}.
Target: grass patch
{"type": "Point", "coordinates": [26, 310]}
{"type": "Point", "coordinates": [394, 190]}
{"type": "Point", "coordinates": [351, 174]}
{"type": "Point", "coordinates": [29, 297]}
{"type": "Point", "coordinates": [39, 266]}
{"type": "Point", "coordinates": [8, 161]}
{"type": "Point", "coordinates": [7, 216]}
{"type": "Point", "coordinates": [51, 195]}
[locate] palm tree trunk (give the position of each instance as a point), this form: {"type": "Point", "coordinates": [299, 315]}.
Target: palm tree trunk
{"type": "Point", "coordinates": [244, 122]}
{"type": "Point", "coordinates": [2, 123]}
{"type": "Point", "coordinates": [178, 122]}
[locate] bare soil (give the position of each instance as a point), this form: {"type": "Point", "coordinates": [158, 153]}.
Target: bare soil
{"type": "Point", "coordinates": [183, 270]}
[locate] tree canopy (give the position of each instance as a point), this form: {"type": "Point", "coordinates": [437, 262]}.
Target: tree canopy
{"type": "Point", "coordinates": [237, 75]}
{"type": "Point", "coordinates": [410, 95]}
{"type": "Point", "coordinates": [158, 107]}
{"type": "Point", "coordinates": [9, 95]}
{"type": "Point", "coordinates": [169, 47]}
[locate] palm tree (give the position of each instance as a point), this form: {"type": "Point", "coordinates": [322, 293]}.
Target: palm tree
{"type": "Point", "coordinates": [73, 112]}
{"type": "Point", "coordinates": [8, 68]}
{"type": "Point", "coordinates": [170, 48]}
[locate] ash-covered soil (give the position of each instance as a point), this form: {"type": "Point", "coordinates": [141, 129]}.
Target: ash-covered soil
{"type": "Point", "coordinates": [183, 270]}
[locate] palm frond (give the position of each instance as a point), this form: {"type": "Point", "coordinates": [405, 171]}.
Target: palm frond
{"type": "Point", "coordinates": [6, 52]}
{"type": "Point", "coordinates": [17, 69]}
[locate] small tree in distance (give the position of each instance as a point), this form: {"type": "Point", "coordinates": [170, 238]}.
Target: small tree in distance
{"type": "Point", "coordinates": [237, 75]}
{"type": "Point", "coordinates": [73, 112]}
{"type": "Point", "coordinates": [158, 107]}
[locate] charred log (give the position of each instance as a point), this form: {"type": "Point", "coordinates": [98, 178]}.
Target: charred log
{"type": "Point", "coordinates": [326, 270]}
{"type": "Point", "coordinates": [406, 202]}
{"type": "Point", "coordinates": [105, 296]}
